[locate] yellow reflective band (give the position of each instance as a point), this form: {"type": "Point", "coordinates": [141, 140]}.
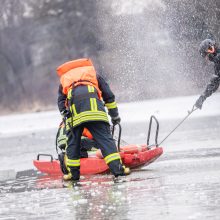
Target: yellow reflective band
{"type": "Point", "coordinates": [111, 157]}
{"type": "Point", "coordinates": [86, 119]}
{"type": "Point", "coordinates": [69, 122]}
{"type": "Point", "coordinates": [90, 113]}
{"type": "Point", "coordinates": [86, 116]}
{"type": "Point", "coordinates": [73, 109]}
{"type": "Point", "coordinates": [62, 141]}
{"type": "Point", "coordinates": [69, 95]}
{"type": "Point", "coordinates": [65, 162]}
{"type": "Point", "coordinates": [90, 119]}
{"type": "Point", "coordinates": [65, 150]}
{"type": "Point", "coordinates": [93, 104]}
{"type": "Point", "coordinates": [111, 105]}
{"type": "Point", "coordinates": [65, 159]}
{"type": "Point", "coordinates": [73, 163]}
{"type": "Point", "coordinates": [91, 88]}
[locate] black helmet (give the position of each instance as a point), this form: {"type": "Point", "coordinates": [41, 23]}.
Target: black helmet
{"type": "Point", "coordinates": [206, 45]}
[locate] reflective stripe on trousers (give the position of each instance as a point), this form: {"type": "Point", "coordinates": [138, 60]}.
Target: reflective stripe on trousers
{"type": "Point", "coordinates": [111, 157]}
{"type": "Point", "coordinates": [73, 163]}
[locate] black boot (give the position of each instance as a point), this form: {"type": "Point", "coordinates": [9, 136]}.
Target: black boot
{"type": "Point", "coordinates": [73, 175]}
{"type": "Point", "coordinates": [118, 169]}
{"type": "Point", "coordinates": [75, 172]}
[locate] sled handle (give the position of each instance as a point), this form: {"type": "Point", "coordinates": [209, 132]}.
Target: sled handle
{"type": "Point", "coordinates": [119, 135]}
{"type": "Point", "coordinates": [47, 155]}
{"type": "Point", "coordinates": [149, 130]}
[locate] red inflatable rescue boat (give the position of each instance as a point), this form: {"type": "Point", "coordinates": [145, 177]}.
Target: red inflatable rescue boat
{"type": "Point", "coordinates": [132, 156]}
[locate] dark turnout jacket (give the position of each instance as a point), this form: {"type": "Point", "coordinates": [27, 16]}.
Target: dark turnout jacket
{"type": "Point", "coordinates": [215, 80]}
{"type": "Point", "coordinates": [84, 102]}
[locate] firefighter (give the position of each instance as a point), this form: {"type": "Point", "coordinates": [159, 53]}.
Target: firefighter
{"type": "Point", "coordinates": [88, 94]}
{"type": "Point", "coordinates": [87, 144]}
{"type": "Point", "coordinates": [208, 49]}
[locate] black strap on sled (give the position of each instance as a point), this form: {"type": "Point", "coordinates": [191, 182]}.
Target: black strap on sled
{"type": "Point", "coordinates": [56, 140]}
{"type": "Point", "coordinates": [149, 131]}
{"type": "Point", "coordinates": [119, 135]}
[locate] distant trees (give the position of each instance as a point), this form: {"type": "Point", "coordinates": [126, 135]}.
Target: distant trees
{"type": "Point", "coordinates": [146, 49]}
{"type": "Point", "coordinates": [11, 57]}
{"type": "Point", "coordinates": [36, 37]}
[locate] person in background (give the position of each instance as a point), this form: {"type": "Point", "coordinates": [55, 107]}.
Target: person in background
{"type": "Point", "coordinates": [87, 94]}
{"type": "Point", "coordinates": [209, 50]}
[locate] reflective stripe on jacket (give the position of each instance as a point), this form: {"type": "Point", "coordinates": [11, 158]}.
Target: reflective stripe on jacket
{"type": "Point", "coordinates": [85, 106]}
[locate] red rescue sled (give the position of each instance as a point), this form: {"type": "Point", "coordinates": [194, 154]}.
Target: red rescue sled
{"type": "Point", "coordinates": [132, 156]}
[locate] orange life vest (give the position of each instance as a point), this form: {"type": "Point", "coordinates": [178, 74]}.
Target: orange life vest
{"type": "Point", "coordinates": [78, 72]}
{"type": "Point", "coordinates": [86, 133]}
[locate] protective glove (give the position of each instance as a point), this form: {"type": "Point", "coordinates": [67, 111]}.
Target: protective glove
{"type": "Point", "coordinates": [66, 113]}
{"type": "Point", "coordinates": [212, 57]}
{"type": "Point", "coordinates": [200, 101]}
{"type": "Point", "coordinates": [116, 120]}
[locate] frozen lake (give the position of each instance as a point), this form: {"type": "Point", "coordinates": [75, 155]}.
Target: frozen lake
{"type": "Point", "coordinates": [184, 183]}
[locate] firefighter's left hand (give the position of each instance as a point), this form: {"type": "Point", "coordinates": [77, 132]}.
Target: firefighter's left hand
{"type": "Point", "coordinates": [116, 120]}
{"type": "Point", "coordinates": [66, 113]}
{"type": "Point", "coordinates": [200, 101]}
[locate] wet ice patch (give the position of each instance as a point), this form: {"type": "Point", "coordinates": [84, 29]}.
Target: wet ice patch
{"type": "Point", "coordinates": [7, 175]}
{"type": "Point", "coordinates": [197, 215]}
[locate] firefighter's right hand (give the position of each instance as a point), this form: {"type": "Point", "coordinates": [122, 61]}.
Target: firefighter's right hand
{"type": "Point", "coordinates": [66, 113]}
{"type": "Point", "coordinates": [116, 120]}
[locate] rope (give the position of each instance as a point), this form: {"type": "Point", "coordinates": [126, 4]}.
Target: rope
{"type": "Point", "coordinates": [189, 113]}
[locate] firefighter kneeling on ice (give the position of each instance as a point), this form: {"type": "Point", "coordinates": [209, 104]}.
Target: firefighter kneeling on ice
{"type": "Point", "coordinates": [87, 144]}
{"type": "Point", "coordinates": [85, 92]}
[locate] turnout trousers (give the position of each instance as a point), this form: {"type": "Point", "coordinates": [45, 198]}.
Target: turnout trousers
{"type": "Point", "coordinates": [102, 135]}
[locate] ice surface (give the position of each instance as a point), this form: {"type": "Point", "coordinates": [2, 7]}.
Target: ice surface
{"type": "Point", "coordinates": [182, 184]}
{"type": "Point", "coordinates": [170, 108]}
